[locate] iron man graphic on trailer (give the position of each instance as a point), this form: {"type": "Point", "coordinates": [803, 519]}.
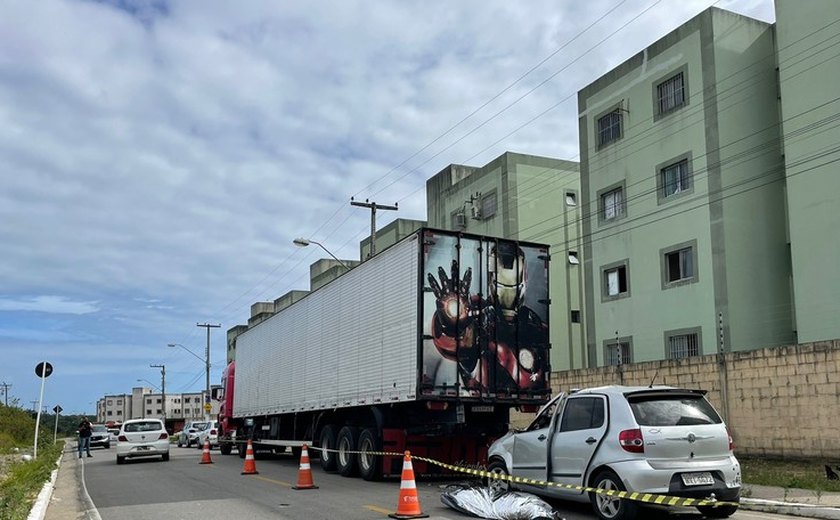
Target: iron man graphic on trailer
{"type": "Point", "coordinates": [508, 355]}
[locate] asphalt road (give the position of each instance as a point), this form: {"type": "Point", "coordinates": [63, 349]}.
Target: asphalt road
{"type": "Point", "coordinates": [184, 489]}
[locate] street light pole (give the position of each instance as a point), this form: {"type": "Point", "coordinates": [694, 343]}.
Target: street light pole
{"type": "Point", "coordinates": [303, 242]}
{"type": "Point", "coordinates": [162, 389]}
{"type": "Point", "coordinates": [206, 362]}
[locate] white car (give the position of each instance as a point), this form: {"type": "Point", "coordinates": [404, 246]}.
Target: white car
{"type": "Point", "coordinates": [189, 434]}
{"type": "Point", "coordinates": [210, 431]}
{"type": "Point", "coordinates": [657, 439]}
{"type": "Point", "coordinates": [142, 438]}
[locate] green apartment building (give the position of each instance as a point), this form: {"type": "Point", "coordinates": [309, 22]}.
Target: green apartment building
{"type": "Point", "coordinates": [528, 198]}
{"type": "Point", "coordinates": [807, 34]}
{"type": "Point", "coordinates": [683, 190]}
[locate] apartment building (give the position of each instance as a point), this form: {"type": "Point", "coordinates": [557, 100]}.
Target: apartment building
{"type": "Point", "coordinates": [809, 69]}
{"type": "Point", "coordinates": [143, 402]}
{"type": "Point", "coordinates": [683, 189]}
{"type": "Point", "coordinates": [529, 198]}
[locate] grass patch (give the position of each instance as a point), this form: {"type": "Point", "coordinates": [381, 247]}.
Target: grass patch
{"type": "Point", "coordinates": [787, 473]}
{"type": "Point", "coordinates": [25, 479]}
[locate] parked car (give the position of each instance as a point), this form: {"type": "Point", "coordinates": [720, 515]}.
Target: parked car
{"type": "Point", "coordinates": [115, 433]}
{"type": "Point", "coordinates": [99, 436]}
{"type": "Point", "coordinates": [657, 439]}
{"type": "Point", "coordinates": [210, 431]}
{"type": "Point", "coordinates": [142, 438]}
{"type": "Point", "coordinates": [189, 434]}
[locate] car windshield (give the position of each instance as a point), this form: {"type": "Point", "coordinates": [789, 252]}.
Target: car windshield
{"type": "Point", "coordinates": [99, 428]}
{"type": "Point", "coordinates": [147, 426]}
{"type": "Point", "coordinates": [673, 410]}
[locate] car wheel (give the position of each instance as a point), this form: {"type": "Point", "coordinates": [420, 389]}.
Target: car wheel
{"type": "Point", "coordinates": [717, 512]}
{"type": "Point", "coordinates": [108, 446]}
{"type": "Point", "coordinates": [347, 442]}
{"type": "Point", "coordinates": [164, 457]}
{"type": "Point", "coordinates": [607, 507]}
{"type": "Point", "coordinates": [370, 465]}
{"type": "Point", "coordinates": [120, 460]}
{"type": "Point", "coordinates": [498, 486]}
{"type": "Point", "coordinates": [327, 443]}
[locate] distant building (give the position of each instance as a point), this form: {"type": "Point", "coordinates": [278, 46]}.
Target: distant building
{"type": "Point", "coordinates": [142, 402]}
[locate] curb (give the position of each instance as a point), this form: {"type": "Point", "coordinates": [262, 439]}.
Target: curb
{"type": "Point", "coordinates": [39, 508]}
{"type": "Point", "coordinates": [790, 508]}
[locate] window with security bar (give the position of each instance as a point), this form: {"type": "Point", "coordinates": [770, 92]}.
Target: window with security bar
{"type": "Point", "coordinates": [671, 93]}
{"type": "Point", "coordinates": [488, 205]}
{"type": "Point", "coordinates": [609, 127]}
{"type": "Point", "coordinates": [617, 354]}
{"type": "Point", "coordinates": [675, 178]}
{"type": "Point", "coordinates": [683, 345]}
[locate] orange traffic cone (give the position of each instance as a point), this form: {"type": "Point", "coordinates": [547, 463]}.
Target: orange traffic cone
{"type": "Point", "coordinates": [205, 455]}
{"type": "Point", "coordinates": [305, 471]}
{"type": "Point", "coordinates": [408, 505]}
{"type": "Point", "coordinates": [250, 467]}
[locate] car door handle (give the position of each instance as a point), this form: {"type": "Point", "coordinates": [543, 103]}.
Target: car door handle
{"type": "Point", "coordinates": [591, 440]}
{"type": "Point", "coordinates": [542, 437]}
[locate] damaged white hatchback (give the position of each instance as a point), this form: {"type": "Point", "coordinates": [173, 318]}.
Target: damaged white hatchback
{"type": "Point", "coordinates": [657, 439]}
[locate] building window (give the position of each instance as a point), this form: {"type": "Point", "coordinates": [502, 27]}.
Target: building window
{"type": "Point", "coordinates": [489, 204]}
{"type": "Point", "coordinates": [197, 411]}
{"type": "Point", "coordinates": [119, 401]}
{"type": "Point", "coordinates": [680, 265]}
{"type": "Point", "coordinates": [575, 316]}
{"type": "Point", "coordinates": [674, 178]}
{"type": "Point", "coordinates": [110, 402]}
{"type": "Point", "coordinates": [612, 204]}
{"type": "Point", "coordinates": [617, 354]}
{"type": "Point", "coordinates": [119, 412]}
{"type": "Point", "coordinates": [671, 93]}
{"type": "Point", "coordinates": [108, 412]}
{"type": "Point", "coordinates": [148, 401]}
{"type": "Point", "coordinates": [683, 345]}
{"type": "Point", "coordinates": [609, 127]}
{"type": "Point", "coordinates": [148, 412]}
{"type": "Point", "coordinates": [615, 281]}
{"type": "Point", "coordinates": [159, 411]}
{"type": "Point", "coordinates": [177, 400]}
{"type": "Point", "coordinates": [158, 401]}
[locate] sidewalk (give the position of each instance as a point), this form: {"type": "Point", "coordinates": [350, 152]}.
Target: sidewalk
{"type": "Point", "coordinates": [70, 501]}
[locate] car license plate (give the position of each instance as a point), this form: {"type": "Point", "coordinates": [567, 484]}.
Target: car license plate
{"type": "Point", "coordinates": [144, 448]}
{"type": "Point", "coordinates": [697, 479]}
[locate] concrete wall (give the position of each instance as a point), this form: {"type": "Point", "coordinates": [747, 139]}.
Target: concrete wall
{"type": "Point", "coordinates": [781, 401]}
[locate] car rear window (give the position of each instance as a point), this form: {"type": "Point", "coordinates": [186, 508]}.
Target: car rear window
{"type": "Point", "coordinates": [148, 426]}
{"type": "Point", "coordinates": [672, 410]}
{"type": "Point", "coordinates": [99, 428]}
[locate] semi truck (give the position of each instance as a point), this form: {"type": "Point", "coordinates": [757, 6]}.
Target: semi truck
{"type": "Point", "coordinates": [426, 346]}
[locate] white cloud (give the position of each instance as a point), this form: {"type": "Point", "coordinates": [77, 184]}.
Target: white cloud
{"type": "Point", "coordinates": [48, 304]}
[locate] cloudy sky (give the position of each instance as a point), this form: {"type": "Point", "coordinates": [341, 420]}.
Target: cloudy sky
{"type": "Point", "coordinates": [158, 158]}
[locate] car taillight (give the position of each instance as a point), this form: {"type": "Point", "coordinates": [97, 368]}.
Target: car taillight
{"type": "Point", "coordinates": [163, 436]}
{"type": "Point", "coordinates": [731, 440]}
{"type": "Point", "coordinates": [122, 438]}
{"type": "Point", "coordinates": [632, 441]}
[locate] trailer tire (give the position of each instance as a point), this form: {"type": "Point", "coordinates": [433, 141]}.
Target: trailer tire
{"type": "Point", "coordinates": [225, 447]}
{"type": "Point", "coordinates": [370, 466]}
{"type": "Point", "coordinates": [327, 442]}
{"type": "Point", "coordinates": [241, 448]}
{"type": "Point", "coordinates": [347, 443]}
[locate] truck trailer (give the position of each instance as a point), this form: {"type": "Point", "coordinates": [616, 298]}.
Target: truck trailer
{"type": "Point", "coordinates": [426, 347]}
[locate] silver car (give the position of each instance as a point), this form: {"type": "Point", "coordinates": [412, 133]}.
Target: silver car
{"type": "Point", "coordinates": [658, 440]}
{"type": "Point", "coordinates": [189, 434]}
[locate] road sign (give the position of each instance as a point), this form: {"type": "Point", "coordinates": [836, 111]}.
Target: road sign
{"type": "Point", "coordinates": [207, 407]}
{"type": "Point", "coordinates": [58, 409]}
{"type": "Point", "coordinates": [43, 369]}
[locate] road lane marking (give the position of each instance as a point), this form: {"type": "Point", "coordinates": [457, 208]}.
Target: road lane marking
{"type": "Point", "coordinates": [278, 482]}
{"type": "Point", "coordinates": [378, 509]}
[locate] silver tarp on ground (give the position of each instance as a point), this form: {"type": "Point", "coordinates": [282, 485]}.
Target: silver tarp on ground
{"type": "Point", "coordinates": [479, 501]}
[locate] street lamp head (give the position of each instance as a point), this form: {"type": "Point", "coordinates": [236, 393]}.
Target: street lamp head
{"type": "Point", "coordinates": [301, 242]}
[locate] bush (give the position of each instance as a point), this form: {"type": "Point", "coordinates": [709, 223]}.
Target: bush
{"type": "Point", "coordinates": [17, 429]}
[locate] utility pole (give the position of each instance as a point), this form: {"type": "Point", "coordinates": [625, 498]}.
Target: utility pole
{"type": "Point", "coordinates": [6, 387]}
{"type": "Point", "coordinates": [207, 326]}
{"type": "Point", "coordinates": [162, 389]}
{"type": "Point", "coordinates": [373, 207]}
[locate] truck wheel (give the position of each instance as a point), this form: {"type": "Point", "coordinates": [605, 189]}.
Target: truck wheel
{"type": "Point", "coordinates": [327, 442]}
{"type": "Point", "coordinates": [498, 486]}
{"type": "Point", "coordinates": [225, 448]}
{"type": "Point", "coordinates": [370, 466]}
{"type": "Point", "coordinates": [241, 448]}
{"type": "Point", "coordinates": [607, 507]}
{"type": "Point", "coordinates": [347, 442]}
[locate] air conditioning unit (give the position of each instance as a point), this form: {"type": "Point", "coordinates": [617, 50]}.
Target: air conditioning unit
{"type": "Point", "coordinates": [476, 213]}
{"type": "Point", "coordinates": [460, 221]}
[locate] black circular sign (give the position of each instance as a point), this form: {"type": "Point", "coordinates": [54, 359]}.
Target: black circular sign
{"type": "Point", "coordinates": [43, 369]}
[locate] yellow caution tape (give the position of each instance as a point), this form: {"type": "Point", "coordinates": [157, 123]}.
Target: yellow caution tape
{"type": "Point", "coordinates": [648, 498]}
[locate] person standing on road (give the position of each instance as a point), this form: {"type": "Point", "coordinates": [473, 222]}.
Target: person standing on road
{"type": "Point", "coordinates": [84, 437]}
